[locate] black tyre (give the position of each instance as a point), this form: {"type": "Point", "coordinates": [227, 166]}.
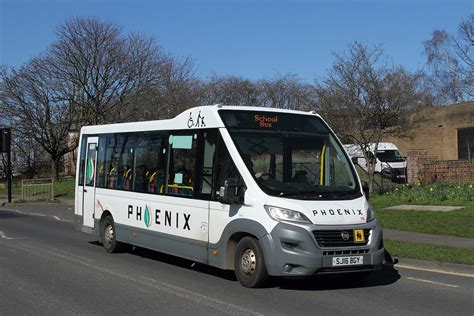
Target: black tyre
{"type": "Point", "coordinates": [108, 236]}
{"type": "Point", "coordinates": [249, 263]}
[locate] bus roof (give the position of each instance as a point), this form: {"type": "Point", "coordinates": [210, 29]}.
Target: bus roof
{"type": "Point", "coordinates": [194, 118]}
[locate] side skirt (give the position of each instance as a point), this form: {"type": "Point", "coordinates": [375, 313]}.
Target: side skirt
{"type": "Point", "coordinates": [194, 250]}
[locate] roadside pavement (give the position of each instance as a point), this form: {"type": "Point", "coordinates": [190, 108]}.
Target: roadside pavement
{"type": "Point", "coordinates": [420, 238]}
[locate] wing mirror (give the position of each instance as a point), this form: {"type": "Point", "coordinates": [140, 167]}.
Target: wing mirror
{"type": "Point", "coordinates": [231, 192]}
{"type": "Point", "coordinates": [365, 188]}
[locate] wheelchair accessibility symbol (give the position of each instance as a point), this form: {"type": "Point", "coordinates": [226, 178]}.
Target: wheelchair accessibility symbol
{"type": "Point", "coordinates": [199, 120]}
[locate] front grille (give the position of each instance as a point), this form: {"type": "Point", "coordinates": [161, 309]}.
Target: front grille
{"type": "Point", "coordinates": [345, 252]}
{"type": "Point", "coordinates": [345, 269]}
{"type": "Point", "coordinates": [333, 238]}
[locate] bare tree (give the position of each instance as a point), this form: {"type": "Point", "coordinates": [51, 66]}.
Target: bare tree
{"type": "Point", "coordinates": [40, 107]}
{"type": "Point", "coordinates": [283, 91]}
{"type": "Point", "coordinates": [367, 101]}
{"type": "Point", "coordinates": [231, 90]}
{"type": "Point", "coordinates": [103, 66]}
{"type": "Point", "coordinates": [451, 63]}
{"type": "Point", "coordinates": [177, 88]}
{"type": "Point", "coordinates": [93, 74]}
{"type": "Point", "coordinates": [287, 92]}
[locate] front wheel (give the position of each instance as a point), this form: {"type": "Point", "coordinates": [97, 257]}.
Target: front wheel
{"type": "Point", "coordinates": [249, 263]}
{"type": "Point", "coordinates": [109, 236]}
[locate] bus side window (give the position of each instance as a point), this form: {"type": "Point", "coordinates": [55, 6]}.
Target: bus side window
{"type": "Point", "coordinates": [83, 160]}
{"type": "Point", "coordinates": [182, 164]}
{"type": "Point", "coordinates": [126, 162]}
{"type": "Point", "coordinates": [149, 162]}
{"type": "Point", "coordinates": [101, 174]}
{"type": "Point", "coordinates": [224, 169]}
{"type": "Point", "coordinates": [115, 144]}
{"type": "Point", "coordinates": [209, 158]}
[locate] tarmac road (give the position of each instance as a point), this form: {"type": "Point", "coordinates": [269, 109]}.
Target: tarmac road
{"type": "Point", "coordinates": [48, 268]}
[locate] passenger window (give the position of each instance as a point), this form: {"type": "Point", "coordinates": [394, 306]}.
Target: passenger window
{"type": "Point", "coordinates": [125, 165]}
{"type": "Point", "coordinates": [91, 164]}
{"type": "Point", "coordinates": [182, 164]}
{"type": "Point", "coordinates": [224, 169]}
{"type": "Point", "coordinates": [115, 145]}
{"type": "Point", "coordinates": [101, 164]}
{"type": "Point", "coordinates": [149, 172]}
{"type": "Point", "coordinates": [82, 163]}
{"type": "Point", "coordinates": [210, 142]}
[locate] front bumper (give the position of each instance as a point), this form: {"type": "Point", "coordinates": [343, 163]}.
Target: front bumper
{"type": "Point", "coordinates": [292, 250]}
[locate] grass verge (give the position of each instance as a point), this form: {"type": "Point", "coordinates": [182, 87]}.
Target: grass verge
{"type": "Point", "coordinates": [63, 189]}
{"type": "Point", "coordinates": [459, 223]}
{"type": "Point", "coordinates": [430, 252]}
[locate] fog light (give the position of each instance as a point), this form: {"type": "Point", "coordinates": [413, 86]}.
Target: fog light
{"type": "Point", "coordinates": [289, 245]}
{"type": "Point", "coordinates": [287, 268]}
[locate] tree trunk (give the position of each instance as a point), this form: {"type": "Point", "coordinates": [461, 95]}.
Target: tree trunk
{"type": "Point", "coordinates": [55, 167]}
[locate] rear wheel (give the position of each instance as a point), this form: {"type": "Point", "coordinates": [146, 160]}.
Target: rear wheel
{"type": "Point", "coordinates": [249, 263]}
{"type": "Point", "coordinates": [108, 236]}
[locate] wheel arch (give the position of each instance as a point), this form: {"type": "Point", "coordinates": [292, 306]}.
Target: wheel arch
{"type": "Point", "coordinates": [232, 246]}
{"type": "Point", "coordinates": [105, 213]}
{"type": "Point", "coordinates": [232, 234]}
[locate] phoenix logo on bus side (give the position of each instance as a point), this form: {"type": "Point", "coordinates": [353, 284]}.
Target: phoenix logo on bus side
{"type": "Point", "coordinates": [165, 218]}
{"type": "Point", "coordinates": [146, 217]}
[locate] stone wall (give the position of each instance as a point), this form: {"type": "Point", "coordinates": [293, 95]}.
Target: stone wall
{"type": "Point", "coordinates": [449, 171]}
{"type": "Point", "coordinates": [414, 165]}
{"type": "Point", "coordinates": [421, 168]}
{"type": "Point", "coordinates": [437, 132]}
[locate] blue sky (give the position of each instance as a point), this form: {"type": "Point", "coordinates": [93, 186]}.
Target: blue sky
{"type": "Point", "coordinates": [253, 39]}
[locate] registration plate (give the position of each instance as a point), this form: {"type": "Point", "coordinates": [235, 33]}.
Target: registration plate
{"type": "Point", "coordinates": [347, 261]}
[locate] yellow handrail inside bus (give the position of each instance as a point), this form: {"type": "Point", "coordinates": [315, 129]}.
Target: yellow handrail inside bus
{"type": "Point", "coordinates": [321, 174]}
{"type": "Point", "coordinates": [177, 187]}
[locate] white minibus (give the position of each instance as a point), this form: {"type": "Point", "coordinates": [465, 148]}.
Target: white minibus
{"type": "Point", "coordinates": [261, 191]}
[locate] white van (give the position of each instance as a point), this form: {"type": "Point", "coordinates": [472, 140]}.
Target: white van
{"type": "Point", "coordinates": [264, 192]}
{"type": "Point", "coordinates": [390, 162]}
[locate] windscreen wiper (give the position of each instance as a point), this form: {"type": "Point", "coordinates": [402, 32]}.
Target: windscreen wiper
{"type": "Point", "coordinates": [343, 193]}
{"type": "Point", "coordinates": [297, 193]}
{"type": "Point", "coordinates": [318, 193]}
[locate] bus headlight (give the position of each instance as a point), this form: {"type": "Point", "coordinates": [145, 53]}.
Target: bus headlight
{"type": "Point", "coordinates": [370, 213]}
{"type": "Point", "coordinates": [286, 215]}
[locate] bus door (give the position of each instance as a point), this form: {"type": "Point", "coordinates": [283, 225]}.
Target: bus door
{"type": "Point", "coordinates": [88, 206]}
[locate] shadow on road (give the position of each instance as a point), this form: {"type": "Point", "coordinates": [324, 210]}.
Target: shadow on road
{"type": "Point", "coordinates": [387, 275]}
{"type": "Point", "coordinates": [177, 261]}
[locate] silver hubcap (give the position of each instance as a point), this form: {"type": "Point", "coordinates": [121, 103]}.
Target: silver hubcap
{"type": "Point", "coordinates": [109, 234]}
{"type": "Point", "coordinates": [248, 262]}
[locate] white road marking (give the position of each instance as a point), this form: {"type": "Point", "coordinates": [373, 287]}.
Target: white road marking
{"type": "Point", "coordinates": [179, 291]}
{"type": "Point", "coordinates": [39, 214]}
{"type": "Point", "coordinates": [3, 236]}
{"type": "Point", "coordinates": [467, 275]}
{"type": "Point", "coordinates": [433, 282]}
